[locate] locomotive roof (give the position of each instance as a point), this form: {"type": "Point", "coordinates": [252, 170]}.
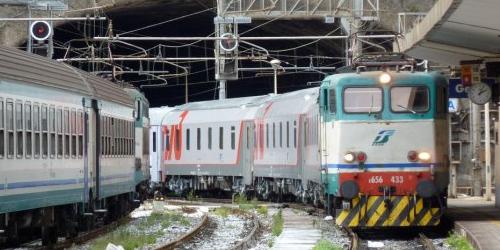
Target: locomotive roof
{"type": "Point", "coordinates": [371, 77]}
{"type": "Point", "coordinates": [20, 66]}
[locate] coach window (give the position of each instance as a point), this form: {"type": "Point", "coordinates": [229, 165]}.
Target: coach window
{"type": "Point", "coordinates": [167, 139]}
{"type": "Point", "coordinates": [332, 103]}
{"type": "Point", "coordinates": [287, 134]}
{"type": "Point", "coordinates": [267, 135]}
{"type": "Point", "coordinates": [281, 134]}
{"type": "Point", "coordinates": [28, 127]}
{"type": "Point", "coordinates": [198, 138]}
{"type": "Point", "coordinates": [177, 139]}
{"type": "Point", "coordinates": [305, 132]}
{"type": "Point", "coordinates": [188, 139]}
{"type": "Point", "coordinates": [221, 138]}
{"type": "Point", "coordinates": [274, 135]}
{"type": "Point", "coordinates": [412, 99]}
{"type": "Point", "coordinates": [19, 129]}
{"type": "Point", "coordinates": [36, 129]}
{"type": "Point", "coordinates": [362, 100]}
{"type": "Point", "coordinates": [10, 128]}
{"type": "Point", "coordinates": [295, 134]}
{"type": "Point", "coordinates": [2, 129]}
{"type": "Point", "coordinates": [154, 142]}
{"type": "Point", "coordinates": [60, 138]}
{"type": "Point", "coordinates": [233, 137]}
{"type": "Point", "coordinates": [73, 133]}
{"type": "Point", "coordinates": [67, 137]}
{"type": "Point", "coordinates": [248, 137]}
{"type": "Point", "coordinates": [81, 123]}
{"type": "Point", "coordinates": [45, 131]}
{"type": "Point", "coordinates": [210, 138]}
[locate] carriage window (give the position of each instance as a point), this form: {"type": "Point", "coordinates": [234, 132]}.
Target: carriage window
{"type": "Point", "coordinates": [295, 134]}
{"type": "Point", "coordinates": [233, 137]}
{"type": "Point", "coordinates": [221, 138]}
{"type": "Point", "coordinates": [274, 135]}
{"type": "Point", "coordinates": [210, 138]}
{"type": "Point", "coordinates": [2, 133]}
{"type": "Point", "coordinates": [59, 122]}
{"type": "Point", "coordinates": [67, 141]}
{"type": "Point", "coordinates": [248, 137]}
{"type": "Point", "coordinates": [45, 135]}
{"type": "Point", "coordinates": [80, 125]}
{"type": "Point", "coordinates": [28, 127]}
{"type": "Point", "coordinates": [10, 129]}
{"type": "Point", "coordinates": [154, 142]}
{"type": "Point", "coordinates": [73, 133]}
{"type": "Point", "coordinates": [267, 135]}
{"type": "Point", "coordinates": [332, 101]}
{"type": "Point", "coordinates": [287, 134]}
{"type": "Point", "coordinates": [414, 99]}
{"type": "Point", "coordinates": [36, 129]}
{"type": "Point", "coordinates": [281, 134]}
{"type": "Point", "coordinates": [19, 129]}
{"type": "Point", "coordinates": [362, 100]}
{"type": "Point", "coordinates": [188, 139]}
{"type": "Point", "coordinates": [177, 139]}
{"type": "Point", "coordinates": [198, 138]}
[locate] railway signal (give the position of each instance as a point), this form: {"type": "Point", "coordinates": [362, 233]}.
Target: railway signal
{"type": "Point", "coordinates": [40, 30]}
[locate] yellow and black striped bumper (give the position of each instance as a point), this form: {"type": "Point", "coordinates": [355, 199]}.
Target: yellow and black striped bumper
{"type": "Point", "coordinates": [401, 211]}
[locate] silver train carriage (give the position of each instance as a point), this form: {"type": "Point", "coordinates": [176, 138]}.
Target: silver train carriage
{"type": "Point", "coordinates": [264, 144]}
{"type": "Point", "coordinates": [68, 149]}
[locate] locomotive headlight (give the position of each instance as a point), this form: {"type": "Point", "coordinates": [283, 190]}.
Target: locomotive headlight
{"type": "Point", "coordinates": [424, 156]}
{"type": "Point", "coordinates": [384, 78]}
{"type": "Point", "coordinates": [349, 157]}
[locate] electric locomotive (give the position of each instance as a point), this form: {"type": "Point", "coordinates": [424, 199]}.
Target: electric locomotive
{"type": "Point", "coordinates": [384, 147]}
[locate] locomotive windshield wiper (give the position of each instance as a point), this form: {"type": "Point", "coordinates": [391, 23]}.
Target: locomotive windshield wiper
{"type": "Point", "coordinates": [407, 109]}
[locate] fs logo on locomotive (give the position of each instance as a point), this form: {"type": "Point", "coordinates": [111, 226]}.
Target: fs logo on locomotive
{"type": "Point", "coordinates": [383, 137]}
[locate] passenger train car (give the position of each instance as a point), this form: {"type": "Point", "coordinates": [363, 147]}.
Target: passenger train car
{"type": "Point", "coordinates": [372, 146]}
{"type": "Point", "coordinates": [69, 155]}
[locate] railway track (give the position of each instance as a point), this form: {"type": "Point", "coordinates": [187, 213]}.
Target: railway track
{"type": "Point", "coordinates": [419, 242]}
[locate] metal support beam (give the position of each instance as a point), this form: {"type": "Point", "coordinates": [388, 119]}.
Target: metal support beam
{"type": "Point", "coordinates": [487, 149]}
{"type": "Point", "coordinates": [4, 19]}
{"type": "Point", "coordinates": [476, 147]}
{"type": "Point", "coordinates": [156, 59]}
{"type": "Point", "coordinates": [248, 38]}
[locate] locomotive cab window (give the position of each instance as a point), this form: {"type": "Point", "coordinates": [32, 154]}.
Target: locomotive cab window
{"type": "Point", "coordinates": [410, 99]}
{"type": "Point", "coordinates": [332, 102]}
{"type": "Point", "coordinates": [362, 100]}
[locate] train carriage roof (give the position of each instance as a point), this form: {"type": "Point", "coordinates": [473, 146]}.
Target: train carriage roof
{"type": "Point", "coordinates": [19, 66]}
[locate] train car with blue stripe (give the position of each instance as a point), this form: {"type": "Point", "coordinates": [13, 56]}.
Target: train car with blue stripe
{"type": "Point", "coordinates": [384, 147]}
{"type": "Point", "coordinates": [68, 159]}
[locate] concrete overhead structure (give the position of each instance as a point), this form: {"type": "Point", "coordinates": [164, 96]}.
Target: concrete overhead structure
{"type": "Point", "coordinates": [455, 30]}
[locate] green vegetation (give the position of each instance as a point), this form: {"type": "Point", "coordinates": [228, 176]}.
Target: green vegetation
{"type": "Point", "coordinates": [270, 242]}
{"type": "Point", "coordinates": [244, 203]}
{"type": "Point", "coordinates": [458, 242]}
{"type": "Point", "coordinates": [145, 232]}
{"type": "Point", "coordinates": [277, 226]}
{"type": "Point", "coordinates": [326, 245]}
{"type": "Point", "coordinates": [191, 196]}
{"type": "Point", "coordinates": [262, 210]}
{"type": "Point", "coordinates": [222, 211]}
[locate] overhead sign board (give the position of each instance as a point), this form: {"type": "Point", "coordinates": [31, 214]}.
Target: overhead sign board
{"type": "Point", "coordinates": [456, 88]}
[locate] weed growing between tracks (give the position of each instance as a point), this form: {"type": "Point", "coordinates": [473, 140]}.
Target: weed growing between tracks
{"type": "Point", "coordinates": [458, 242]}
{"type": "Point", "coordinates": [278, 221]}
{"type": "Point", "coordinates": [144, 231]}
{"type": "Point", "coordinates": [326, 245]}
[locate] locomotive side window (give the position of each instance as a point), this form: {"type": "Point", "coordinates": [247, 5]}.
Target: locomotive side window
{"type": "Point", "coordinates": [52, 128]}
{"type": "Point", "coordinates": [73, 133]}
{"type": "Point", "coordinates": [19, 129]}
{"type": "Point", "coordinates": [80, 125]}
{"type": "Point", "coordinates": [28, 127]}
{"type": "Point", "coordinates": [442, 101]}
{"type": "Point", "coordinates": [2, 133]}
{"type": "Point", "coordinates": [332, 101]}
{"type": "Point", "coordinates": [233, 137]}
{"type": "Point", "coordinates": [10, 128]}
{"type": "Point", "coordinates": [411, 99]}
{"type": "Point", "coordinates": [36, 129]}
{"type": "Point", "coordinates": [362, 100]}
